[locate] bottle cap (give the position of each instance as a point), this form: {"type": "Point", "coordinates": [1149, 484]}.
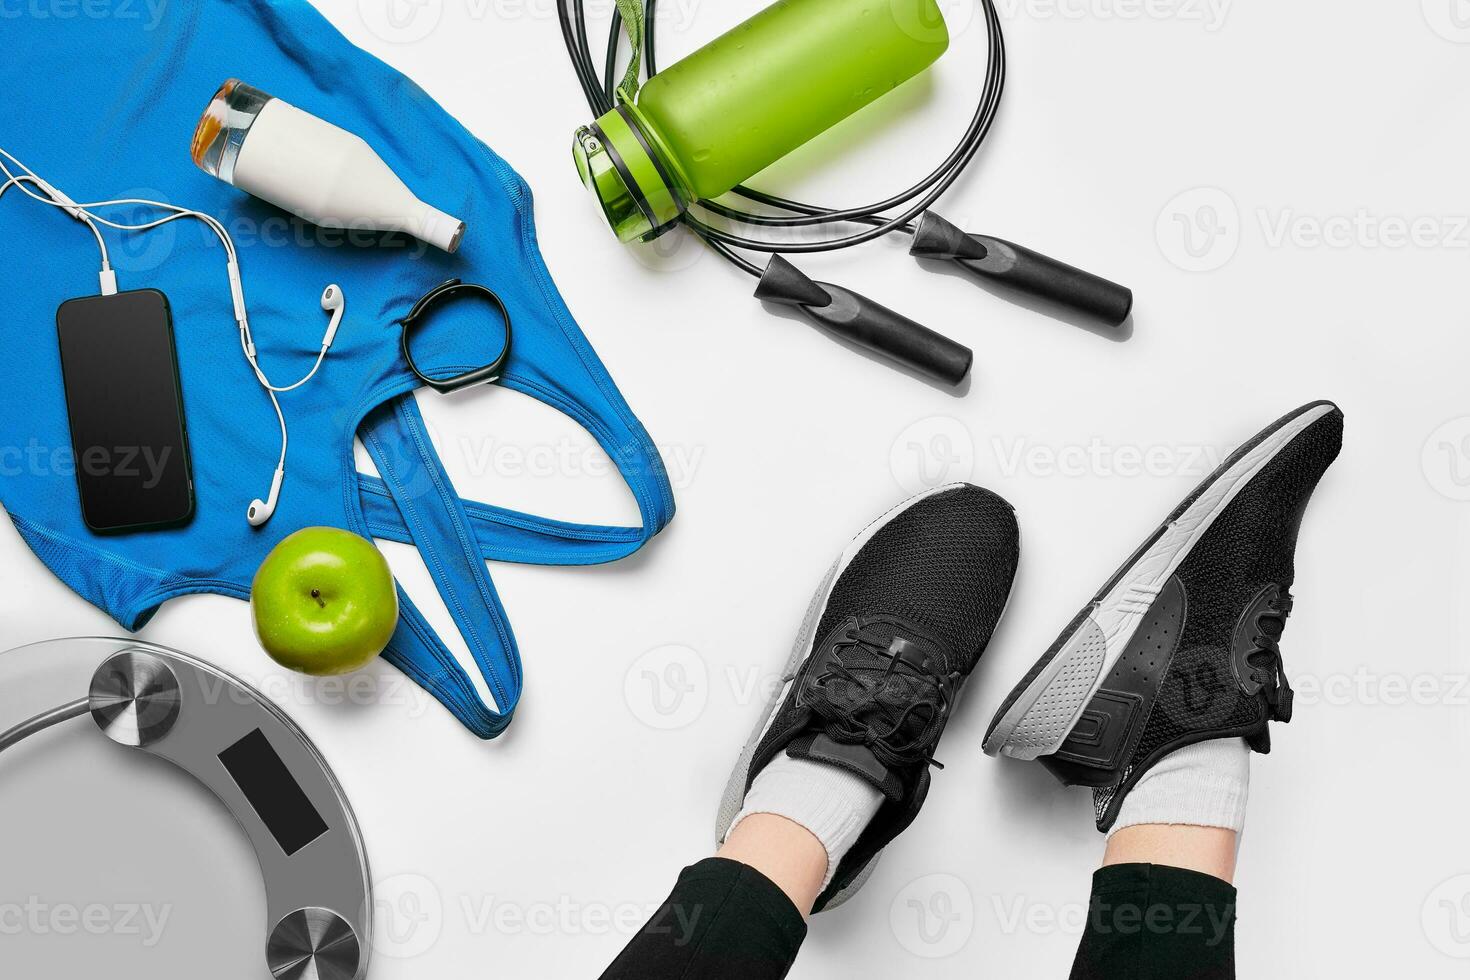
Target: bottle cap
{"type": "Point", "coordinates": [632, 183]}
{"type": "Point", "coordinates": [223, 126]}
{"type": "Point", "coordinates": [440, 230]}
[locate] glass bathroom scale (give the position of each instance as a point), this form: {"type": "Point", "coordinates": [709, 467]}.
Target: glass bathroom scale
{"type": "Point", "coordinates": [160, 818]}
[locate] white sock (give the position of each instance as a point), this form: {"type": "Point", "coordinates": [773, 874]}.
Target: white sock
{"type": "Point", "coordinates": [1202, 785]}
{"type": "Point", "coordinates": [831, 803]}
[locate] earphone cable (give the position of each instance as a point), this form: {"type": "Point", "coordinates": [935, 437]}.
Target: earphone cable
{"type": "Point", "coordinates": [17, 181]}
{"type": "Point", "coordinates": [84, 213]}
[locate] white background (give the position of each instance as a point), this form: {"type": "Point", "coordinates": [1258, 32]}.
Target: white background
{"type": "Point", "coordinates": [1283, 185]}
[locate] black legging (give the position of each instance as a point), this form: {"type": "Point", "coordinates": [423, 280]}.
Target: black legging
{"type": "Point", "coordinates": [727, 921]}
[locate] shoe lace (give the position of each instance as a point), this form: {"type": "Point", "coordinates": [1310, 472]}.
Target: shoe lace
{"type": "Point", "coordinates": [1266, 666]}
{"type": "Point", "coordinates": [881, 692]}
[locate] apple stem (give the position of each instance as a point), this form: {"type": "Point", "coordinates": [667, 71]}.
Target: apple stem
{"type": "Point", "coordinates": [317, 595]}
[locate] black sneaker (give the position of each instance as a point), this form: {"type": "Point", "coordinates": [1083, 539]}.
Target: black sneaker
{"type": "Point", "coordinates": [896, 626]}
{"type": "Point", "coordinates": [1181, 644]}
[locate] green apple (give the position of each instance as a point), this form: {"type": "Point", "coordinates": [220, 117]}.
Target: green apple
{"type": "Point", "coordinates": [323, 601]}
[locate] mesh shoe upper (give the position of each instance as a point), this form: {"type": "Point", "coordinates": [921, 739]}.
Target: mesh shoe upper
{"type": "Point", "coordinates": [945, 564]}
{"type": "Point", "coordinates": [1230, 597]}
{"type": "Point", "coordinates": [903, 626]}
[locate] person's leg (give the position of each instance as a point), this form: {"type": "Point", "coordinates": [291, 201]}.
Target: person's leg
{"type": "Point", "coordinates": [724, 920]}
{"type": "Point", "coordinates": [1206, 850]}
{"type": "Point", "coordinates": [839, 764]}
{"type": "Point", "coordinates": [1163, 902]}
{"type": "Point", "coordinates": [1187, 810]}
{"type": "Point", "coordinates": [783, 851]}
{"type": "Point", "coordinates": [1157, 691]}
{"type": "Point", "coordinates": [742, 913]}
{"type": "Point", "coordinates": [1148, 920]}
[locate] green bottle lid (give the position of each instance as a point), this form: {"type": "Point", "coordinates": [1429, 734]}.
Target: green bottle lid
{"type": "Point", "coordinates": [634, 184]}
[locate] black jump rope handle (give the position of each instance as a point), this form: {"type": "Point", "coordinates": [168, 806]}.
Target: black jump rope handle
{"type": "Point", "coordinates": [861, 321]}
{"type": "Point", "coordinates": [1024, 270]}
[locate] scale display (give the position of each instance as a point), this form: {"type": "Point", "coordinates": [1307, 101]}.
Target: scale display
{"type": "Point", "coordinates": [275, 796]}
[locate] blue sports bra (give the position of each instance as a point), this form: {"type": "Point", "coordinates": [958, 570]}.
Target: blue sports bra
{"type": "Point", "coordinates": [104, 109]}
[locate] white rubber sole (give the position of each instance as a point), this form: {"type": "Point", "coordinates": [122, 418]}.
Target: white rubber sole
{"type": "Point", "coordinates": [1038, 720]}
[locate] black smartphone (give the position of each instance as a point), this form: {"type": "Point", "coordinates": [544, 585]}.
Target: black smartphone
{"type": "Point", "coordinates": [125, 407]}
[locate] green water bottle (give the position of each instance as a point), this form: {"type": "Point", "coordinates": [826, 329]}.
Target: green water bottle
{"type": "Point", "coordinates": [746, 99]}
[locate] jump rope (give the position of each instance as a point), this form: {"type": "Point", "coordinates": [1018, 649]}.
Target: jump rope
{"type": "Point", "coordinates": [842, 311]}
{"type": "Point", "coordinates": [601, 95]}
{"type": "Point", "coordinates": [852, 316]}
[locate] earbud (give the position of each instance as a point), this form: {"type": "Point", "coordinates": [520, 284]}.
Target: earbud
{"type": "Point", "coordinates": [333, 302]}
{"type": "Point", "coordinates": [261, 510]}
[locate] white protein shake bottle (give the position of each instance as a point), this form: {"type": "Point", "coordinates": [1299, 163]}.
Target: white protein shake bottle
{"type": "Point", "coordinates": [308, 166]}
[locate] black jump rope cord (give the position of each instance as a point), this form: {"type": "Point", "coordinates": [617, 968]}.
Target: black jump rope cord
{"type": "Point", "coordinates": [848, 315]}
{"type": "Point", "coordinates": [914, 201]}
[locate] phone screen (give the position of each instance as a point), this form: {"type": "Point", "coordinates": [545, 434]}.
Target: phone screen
{"type": "Point", "coordinates": [129, 446]}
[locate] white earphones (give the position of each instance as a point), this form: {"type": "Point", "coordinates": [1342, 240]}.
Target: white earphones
{"type": "Point", "coordinates": [261, 510]}
{"type": "Point", "coordinates": [333, 302]}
